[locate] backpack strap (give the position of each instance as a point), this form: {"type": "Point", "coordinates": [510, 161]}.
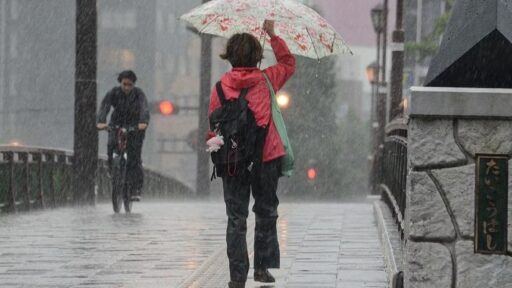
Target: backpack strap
{"type": "Point", "coordinates": [222, 96]}
{"type": "Point", "coordinates": [220, 93]}
{"type": "Point", "coordinates": [243, 93]}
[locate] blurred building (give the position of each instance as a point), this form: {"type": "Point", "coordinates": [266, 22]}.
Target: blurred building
{"type": "Point", "coordinates": [352, 20]}
{"type": "Point", "coordinates": [126, 40]}
{"type": "Point", "coordinates": [37, 72]}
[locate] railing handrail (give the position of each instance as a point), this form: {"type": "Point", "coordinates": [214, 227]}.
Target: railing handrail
{"type": "Point", "coordinates": [38, 174]}
{"type": "Point", "coordinates": [395, 162]}
{"type": "Point", "coordinates": [34, 149]}
{"type": "Point", "coordinates": [397, 124]}
{"type": "Point", "coordinates": [63, 152]}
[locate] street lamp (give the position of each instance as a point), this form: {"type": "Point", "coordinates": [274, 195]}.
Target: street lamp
{"type": "Point", "coordinates": [377, 14]}
{"type": "Point", "coordinates": [371, 72]}
{"type": "Point", "coordinates": [374, 73]}
{"type": "Point", "coordinates": [283, 99]}
{"type": "Point", "coordinates": [85, 140]}
{"type": "Point", "coordinates": [203, 158]}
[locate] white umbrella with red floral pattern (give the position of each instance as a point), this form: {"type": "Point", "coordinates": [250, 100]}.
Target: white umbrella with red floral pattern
{"type": "Point", "coordinates": [304, 30]}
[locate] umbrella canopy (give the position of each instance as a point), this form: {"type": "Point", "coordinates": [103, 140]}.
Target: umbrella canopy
{"type": "Point", "coordinates": [304, 30]}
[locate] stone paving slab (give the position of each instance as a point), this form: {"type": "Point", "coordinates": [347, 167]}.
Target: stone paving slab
{"type": "Point", "coordinates": [328, 245]}
{"type": "Point", "coordinates": [165, 244]}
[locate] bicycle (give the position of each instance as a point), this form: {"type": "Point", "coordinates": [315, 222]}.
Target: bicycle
{"type": "Point", "coordinates": [120, 192]}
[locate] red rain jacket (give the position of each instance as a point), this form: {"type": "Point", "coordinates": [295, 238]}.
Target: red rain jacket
{"type": "Point", "coordinates": [258, 96]}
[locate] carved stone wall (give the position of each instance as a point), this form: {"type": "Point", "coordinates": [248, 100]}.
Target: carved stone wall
{"type": "Point", "coordinates": [440, 212]}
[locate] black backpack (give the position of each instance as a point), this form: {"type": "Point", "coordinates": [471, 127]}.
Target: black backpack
{"type": "Point", "coordinates": [235, 122]}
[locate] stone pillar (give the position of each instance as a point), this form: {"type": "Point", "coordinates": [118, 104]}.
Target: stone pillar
{"type": "Point", "coordinates": [447, 127]}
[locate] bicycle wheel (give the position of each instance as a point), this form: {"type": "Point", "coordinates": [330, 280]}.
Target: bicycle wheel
{"type": "Point", "coordinates": [126, 192]}
{"type": "Point", "coordinates": [117, 186]}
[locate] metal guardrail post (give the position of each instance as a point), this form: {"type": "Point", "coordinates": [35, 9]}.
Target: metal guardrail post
{"type": "Point", "coordinates": [50, 164]}
{"type": "Point", "coordinates": [11, 193]}
{"type": "Point", "coordinates": [38, 160]}
{"type": "Point", "coordinates": [69, 178]}
{"type": "Point", "coordinates": [60, 170]}
{"type": "Point", "coordinates": [25, 190]}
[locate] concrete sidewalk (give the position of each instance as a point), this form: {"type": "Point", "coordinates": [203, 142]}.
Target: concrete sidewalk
{"type": "Point", "coordinates": [183, 245]}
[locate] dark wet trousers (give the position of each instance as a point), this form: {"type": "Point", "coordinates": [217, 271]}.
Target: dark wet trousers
{"type": "Point", "coordinates": [134, 171]}
{"type": "Point", "coordinates": [237, 190]}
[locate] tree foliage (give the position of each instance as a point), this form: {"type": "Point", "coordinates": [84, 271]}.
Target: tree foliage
{"type": "Point", "coordinates": [429, 45]}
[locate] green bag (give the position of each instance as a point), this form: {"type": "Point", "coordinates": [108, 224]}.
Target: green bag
{"type": "Point", "coordinates": [288, 160]}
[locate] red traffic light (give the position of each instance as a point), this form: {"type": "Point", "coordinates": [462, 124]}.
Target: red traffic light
{"type": "Point", "coordinates": [312, 174]}
{"type": "Point", "coordinates": [166, 107]}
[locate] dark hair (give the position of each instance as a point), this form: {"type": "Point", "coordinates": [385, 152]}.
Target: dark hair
{"type": "Point", "coordinates": [243, 50]}
{"type": "Point", "coordinates": [127, 74]}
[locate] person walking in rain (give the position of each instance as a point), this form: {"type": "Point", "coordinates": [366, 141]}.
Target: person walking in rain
{"type": "Point", "coordinates": [130, 109]}
{"type": "Point", "coordinates": [244, 52]}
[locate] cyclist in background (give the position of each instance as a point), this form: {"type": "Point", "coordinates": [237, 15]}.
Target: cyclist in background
{"type": "Point", "coordinates": [130, 110]}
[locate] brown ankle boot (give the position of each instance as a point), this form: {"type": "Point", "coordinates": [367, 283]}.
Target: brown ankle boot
{"type": "Point", "coordinates": [262, 275]}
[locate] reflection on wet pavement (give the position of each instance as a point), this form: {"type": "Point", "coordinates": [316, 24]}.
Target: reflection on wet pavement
{"type": "Point", "coordinates": [168, 244]}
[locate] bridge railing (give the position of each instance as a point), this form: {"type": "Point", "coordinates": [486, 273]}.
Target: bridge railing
{"type": "Point", "coordinates": [34, 178]}
{"type": "Point", "coordinates": [394, 170]}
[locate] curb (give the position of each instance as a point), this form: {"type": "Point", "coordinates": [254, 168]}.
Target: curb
{"type": "Point", "coordinates": [387, 248]}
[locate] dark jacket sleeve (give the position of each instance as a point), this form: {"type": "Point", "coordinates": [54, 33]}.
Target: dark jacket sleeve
{"type": "Point", "coordinates": [144, 108]}
{"type": "Point", "coordinates": [105, 107]}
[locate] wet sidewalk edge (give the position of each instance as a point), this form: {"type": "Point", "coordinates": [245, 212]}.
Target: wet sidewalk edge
{"type": "Point", "coordinates": [389, 238]}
